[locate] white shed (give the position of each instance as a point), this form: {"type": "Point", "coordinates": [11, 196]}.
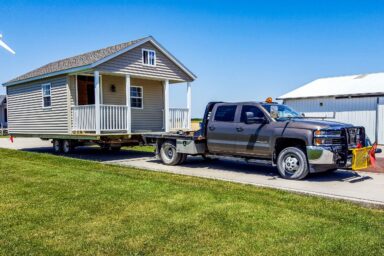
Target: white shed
{"type": "Point", "coordinates": [356, 99]}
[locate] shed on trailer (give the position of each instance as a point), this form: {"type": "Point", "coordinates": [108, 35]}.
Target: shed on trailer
{"type": "Point", "coordinates": [3, 114]}
{"type": "Point", "coordinates": [355, 99]}
{"type": "Point", "coordinates": [118, 90]}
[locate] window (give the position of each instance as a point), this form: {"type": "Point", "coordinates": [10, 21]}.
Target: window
{"type": "Point", "coordinates": [136, 97]}
{"type": "Point", "coordinates": [225, 113]}
{"type": "Point", "coordinates": [249, 108]}
{"type": "Point", "coordinates": [149, 57]}
{"type": "Point", "coordinates": [46, 88]}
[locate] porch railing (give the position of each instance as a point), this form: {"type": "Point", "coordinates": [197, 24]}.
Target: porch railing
{"type": "Point", "coordinates": [83, 118]}
{"type": "Point", "coordinates": [114, 118]}
{"type": "Point", "coordinates": [179, 118]}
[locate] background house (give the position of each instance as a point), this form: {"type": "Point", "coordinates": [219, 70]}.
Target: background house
{"type": "Point", "coordinates": [3, 111]}
{"type": "Point", "coordinates": [356, 99]}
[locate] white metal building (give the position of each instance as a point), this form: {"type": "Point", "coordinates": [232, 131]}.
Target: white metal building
{"type": "Point", "coordinates": [356, 99]}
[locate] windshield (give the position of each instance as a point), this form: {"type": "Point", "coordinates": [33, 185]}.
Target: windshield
{"type": "Point", "coordinates": [281, 112]}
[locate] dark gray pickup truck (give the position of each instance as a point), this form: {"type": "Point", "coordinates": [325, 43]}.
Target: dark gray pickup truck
{"type": "Point", "coordinates": [295, 144]}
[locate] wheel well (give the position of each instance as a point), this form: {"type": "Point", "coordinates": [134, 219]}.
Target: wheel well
{"type": "Point", "coordinates": [282, 143]}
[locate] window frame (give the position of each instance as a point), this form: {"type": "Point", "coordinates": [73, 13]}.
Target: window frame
{"type": "Point", "coordinates": [46, 96]}
{"type": "Point", "coordinates": [154, 57]}
{"type": "Point", "coordinates": [136, 97]}
{"type": "Point", "coordinates": [250, 105]}
{"type": "Point", "coordinates": [234, 116]}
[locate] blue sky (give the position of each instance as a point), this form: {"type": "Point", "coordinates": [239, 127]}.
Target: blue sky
{"type": "Point", "coordinates": [240, 50]}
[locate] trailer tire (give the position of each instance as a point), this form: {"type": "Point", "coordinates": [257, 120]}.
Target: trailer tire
{"type": "Point", "coordinates": [168, 153]}
{"type": "Point", "coordinates": [115, 149]}
{"type": "Point", "coordinates": [57, 146]}
{"type": "Point", "coordinates": [67, 146]}
{"type": "Point", "coordinates": [292, 163]}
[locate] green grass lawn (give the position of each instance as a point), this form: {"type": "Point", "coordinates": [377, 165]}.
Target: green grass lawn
{"type": "Point", "coordinates": [56, 205]}
{"type": "Point", "coordinates": [150, 149]}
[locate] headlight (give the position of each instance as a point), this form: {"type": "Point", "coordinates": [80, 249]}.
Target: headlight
{"type": "Point", "coordinates": [327, 137]}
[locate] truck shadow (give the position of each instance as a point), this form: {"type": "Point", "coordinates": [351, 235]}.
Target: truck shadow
{"type": "Point", "coordinates": [225, 165]}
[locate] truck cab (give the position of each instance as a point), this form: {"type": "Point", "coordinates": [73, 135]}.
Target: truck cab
{"type": "Point", "coordinates": [295, 144]}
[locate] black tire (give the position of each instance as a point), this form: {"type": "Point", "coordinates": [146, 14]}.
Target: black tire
{"type": "Point", "coordinates": [67, 146]}
{"type": "Point", "coordinates": [168, 153]}
{"type": "Point", "coordinates": [183, 158]}
{"type": "Point", "coordinates": [57, 146]}
{"type": "Point", "coordinates": [292, 163]}
{"type": "Point", "coordinates": [115, 149]}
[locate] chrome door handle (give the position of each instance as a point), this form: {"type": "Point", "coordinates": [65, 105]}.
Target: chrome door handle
{"type": "Point", "coordinates": [212, 128]}
{"type": "Point", "coordinates": [239, 129]}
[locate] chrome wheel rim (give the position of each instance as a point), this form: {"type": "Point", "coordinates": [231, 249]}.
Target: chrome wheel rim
{"type": "Point", "coordinates": [169, 152]}
{"type": "Point", "coordinates": [291, 163]}
{"type": "Point", "coordinates": [57, 146]}
{"type": "Point", "coordinates": [66, 146]}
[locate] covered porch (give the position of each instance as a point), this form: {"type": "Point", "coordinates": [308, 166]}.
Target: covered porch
{"type": "Point", "coordinates": [113, 103]}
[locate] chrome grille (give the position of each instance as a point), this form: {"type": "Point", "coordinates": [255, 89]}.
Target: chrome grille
{"type": "Point", "coordinates": [355, 135]}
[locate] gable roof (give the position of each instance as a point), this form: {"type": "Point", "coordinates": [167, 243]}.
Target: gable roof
{"type": "Point", "coordinates": [89, 60]}
{"type": "Point", "coordinates": [363, 84]}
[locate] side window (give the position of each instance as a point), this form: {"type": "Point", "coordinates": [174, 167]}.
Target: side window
{"type": "Point", "coordinates": [249, 108]}
{"type": "Point", "coordinates": [136, 97]}
{"type": "Point", "coordinates": [46, 92]}
{"type": "Point", "coordinates": [149, 57]}
{"type": "Point", "coordinates": [225, 113]}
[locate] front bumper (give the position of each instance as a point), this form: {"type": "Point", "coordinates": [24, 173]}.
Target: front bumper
{"type": "Point", "coordinates": [325, 158]}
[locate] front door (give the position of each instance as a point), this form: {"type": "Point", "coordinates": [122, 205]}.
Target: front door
{"type": "Point", "coordinates": [221, 130]}
{"type": "Point", "coordinates": [254, 138]}
{"type": "Point", "coordinates": [86, 90]}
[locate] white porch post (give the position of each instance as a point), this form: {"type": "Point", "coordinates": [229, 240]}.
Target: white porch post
{"type": "Point", "coordinates": [128, 102]}
{"type": "Point", "coordinates": [97, 101]}
{"type": "Point", "coordinates": [166, 106]}
{"type": "Point", "coordinates": [189, 103]}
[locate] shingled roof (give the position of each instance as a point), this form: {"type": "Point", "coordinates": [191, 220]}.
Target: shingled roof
{"type": "Point", "coordinates": [75, 61]}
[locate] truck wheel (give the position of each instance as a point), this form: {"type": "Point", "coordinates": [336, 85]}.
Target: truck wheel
{"type": "Point", "coordinates": [292, 163]}
{"type": "Point", "coordinates": [183, 158]}
{"type": "Point", "coordinates": [168, 153]}
{"type": "Point", "coordinates": [57, 146]}
{"type": "Point", "coordinates": [67, 146]}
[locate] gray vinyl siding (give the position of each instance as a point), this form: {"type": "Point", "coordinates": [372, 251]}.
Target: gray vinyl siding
{"type": "Point", "coordinates": [151, 117]}
{"type": "Point", "coordinates": [2, 117]}
{"type": "Point", "coordinates": [109, 97]}
{"type": "Point", "coordinates": [72, 90]}
{"type": "Point", "coordinates": [131, 63]}
{"type": "Point", "coordinates": [26, 114]}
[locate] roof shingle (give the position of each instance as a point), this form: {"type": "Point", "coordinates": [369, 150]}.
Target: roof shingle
{"type": "Point", "coordinates": [75, 61]}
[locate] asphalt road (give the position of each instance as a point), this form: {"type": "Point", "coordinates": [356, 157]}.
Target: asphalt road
{"type": "Point", "coordinates": [361, 187]}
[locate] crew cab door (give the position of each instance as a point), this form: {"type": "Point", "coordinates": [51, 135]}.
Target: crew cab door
{"type": "Point", "coordinates": [221, 130]}
{"type": "Point", "coordinates": [254, 137]}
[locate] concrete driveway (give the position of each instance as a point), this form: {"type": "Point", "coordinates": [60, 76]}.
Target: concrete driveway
{"type": "Point", "coordinates": [362, 187]}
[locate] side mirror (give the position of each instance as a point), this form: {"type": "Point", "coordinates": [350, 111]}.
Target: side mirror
{"type": "Point", "coordinates": [303, 114]}
{"type": "Point", "coordinates": [251, 119]}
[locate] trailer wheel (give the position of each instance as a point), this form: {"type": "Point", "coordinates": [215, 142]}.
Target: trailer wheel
{"type": "Point", "coordinates": [67, 146]}
{"type": "Point", "coordinates": [57, 146]}
{"type": "Point", "coordinates": [115, 149]}
{"type": "Point", "coordinates": [168, 153]}
{"type": "Point", "coordinates": [292, 163]}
